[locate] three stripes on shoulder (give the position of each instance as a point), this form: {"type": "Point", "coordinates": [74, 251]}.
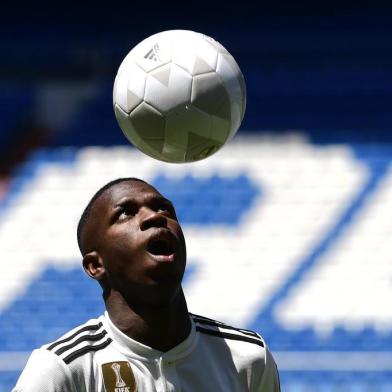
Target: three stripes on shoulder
{"type": "Point", "coordinates": [93, 337]}
{"type": "Point", "coordinates": [216, 328]}
{"type": "Point", "coordinates": [71, 347]}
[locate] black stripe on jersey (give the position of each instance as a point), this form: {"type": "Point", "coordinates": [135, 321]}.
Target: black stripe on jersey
{"type": "Point", "coordinates": [84, 350]}
{"type": "Point", "coordinates": [207, 321]}
{"type": "Point", "coordinates": [90, 338]}
{"type": "Point", "coordinates": [231, 336]}
{"type": "Point", "coordinates": [67, 339]}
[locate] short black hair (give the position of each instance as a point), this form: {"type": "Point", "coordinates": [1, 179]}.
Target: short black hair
{"type": "Point", "coordinates": [87, 211]}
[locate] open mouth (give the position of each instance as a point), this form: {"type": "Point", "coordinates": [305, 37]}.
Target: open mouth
{"type": "Point", "coordinates": [162, 246]}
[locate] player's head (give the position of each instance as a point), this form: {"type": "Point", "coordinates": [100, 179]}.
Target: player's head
{"type": "Point", "coordinates": [132, 243]}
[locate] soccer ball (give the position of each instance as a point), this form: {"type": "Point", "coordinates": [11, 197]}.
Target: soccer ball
{"type": "Point", "coordinates": [179, 96]}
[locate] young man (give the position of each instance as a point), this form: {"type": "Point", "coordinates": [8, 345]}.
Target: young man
{"type": "Point", "coordinates": [133, 245]}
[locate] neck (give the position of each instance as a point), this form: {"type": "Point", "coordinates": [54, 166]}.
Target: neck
{"type": "Point", "coordinates": [160, 327]}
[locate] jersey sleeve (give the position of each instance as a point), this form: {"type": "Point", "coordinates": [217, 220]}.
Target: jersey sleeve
{"type": "Point", "coordinates": [268, 380]}
{"type": "Point", "coordinates": [45, 372]}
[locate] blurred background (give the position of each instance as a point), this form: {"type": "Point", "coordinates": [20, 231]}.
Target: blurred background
{"type": "Point", "coordinates": [289, 227]}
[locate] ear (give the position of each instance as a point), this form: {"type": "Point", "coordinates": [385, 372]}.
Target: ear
{"type": "Point", "coordinates": [93, 265]}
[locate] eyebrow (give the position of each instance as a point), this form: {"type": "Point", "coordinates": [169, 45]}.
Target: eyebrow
{"type": "Point", "coordinates": [148, 199]}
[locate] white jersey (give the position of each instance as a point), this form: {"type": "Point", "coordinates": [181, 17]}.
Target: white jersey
{"type": "Point", "coordinates": [98, 357]}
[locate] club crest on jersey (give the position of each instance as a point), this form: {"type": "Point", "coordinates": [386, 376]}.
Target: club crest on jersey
{"type": "Point", "coordinates": [118, 377]}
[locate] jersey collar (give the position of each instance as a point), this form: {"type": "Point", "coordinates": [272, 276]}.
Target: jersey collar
{"type": "Point", "coordinates": [132, 348]}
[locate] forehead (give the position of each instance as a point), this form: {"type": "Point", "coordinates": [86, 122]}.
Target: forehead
{"type": "Point", "coordinates": [135, 190]}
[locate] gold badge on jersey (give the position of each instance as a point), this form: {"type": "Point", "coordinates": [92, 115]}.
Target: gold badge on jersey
{"type": "Point", "coordinates": [118, 377]}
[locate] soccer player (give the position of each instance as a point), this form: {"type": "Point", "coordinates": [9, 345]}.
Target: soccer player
{"type": "Point", "coordinates": [133, 245]}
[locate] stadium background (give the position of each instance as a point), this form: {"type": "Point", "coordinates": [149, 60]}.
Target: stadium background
{"type": "Point", "coordinates": [288, 228]}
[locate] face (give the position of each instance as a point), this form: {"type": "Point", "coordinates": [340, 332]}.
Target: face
{"type": "Point", "coordinates": [139, 242]}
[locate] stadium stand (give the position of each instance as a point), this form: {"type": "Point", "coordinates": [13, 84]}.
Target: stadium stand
{"type": "Point", "coordinates": [268, 206]}
{"type": "Point", "coordinates": [300, 204]}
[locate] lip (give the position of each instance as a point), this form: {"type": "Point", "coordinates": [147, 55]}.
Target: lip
{"type": "Point", "coordinates": [163, 234]}
{"type": "Point", "coordinates": [163, 258]}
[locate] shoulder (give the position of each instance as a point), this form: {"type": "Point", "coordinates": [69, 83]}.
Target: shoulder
{"type": "Point", "coordinates": [242, 338]}
{"type": "Point", "coordinates": [247, 348]}
{"type": "Point", "coordinates": [89, 337]}
{"type": "Point", "coordinates": [44, 372]}
{"type": "Point", "coordinates": [56, 366]}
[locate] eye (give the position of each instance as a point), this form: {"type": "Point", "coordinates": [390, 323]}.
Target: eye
{"type": "Point", "coordinates": [126, 210]}
{"type": "Point", "coordinates": [166, 209]}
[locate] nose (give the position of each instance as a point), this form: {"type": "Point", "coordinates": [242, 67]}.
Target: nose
{"type": "Point", "coordinates": [151, 218]}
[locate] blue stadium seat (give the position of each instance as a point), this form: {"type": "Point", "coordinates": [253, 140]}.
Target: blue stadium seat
{"type": "Point", "coordinates": [204, 201]}
{"type": "Point", "coordinates": [76, 299]}
{"type": "Point", "coordinates": [7, 380]}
